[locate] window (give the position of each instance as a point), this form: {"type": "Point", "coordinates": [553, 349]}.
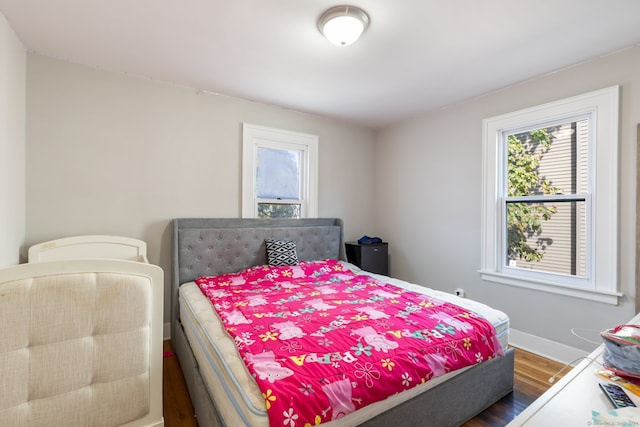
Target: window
{"type": "Point", "coordinates": [550, 197]}
{"type": "Point", "coordinates": [279, 178]}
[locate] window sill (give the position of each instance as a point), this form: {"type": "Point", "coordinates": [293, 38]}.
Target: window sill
{"type": "Point", "coordinates": [602, 296]}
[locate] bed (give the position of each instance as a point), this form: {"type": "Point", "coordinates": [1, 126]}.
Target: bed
{"type": "Point", "coordinates": [223, 391]}
{"type": "Point", "coordinates": [81, 342]}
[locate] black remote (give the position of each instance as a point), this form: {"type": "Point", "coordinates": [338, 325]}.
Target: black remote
{"type": "Point", "coordinates": [616, 395]}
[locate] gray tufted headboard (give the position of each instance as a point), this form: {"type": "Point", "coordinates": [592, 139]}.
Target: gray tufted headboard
{"type": "Point", "coordinates": [210, 246]}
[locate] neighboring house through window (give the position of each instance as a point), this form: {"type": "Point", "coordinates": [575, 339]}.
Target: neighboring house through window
{"type": "Point", "coordinates": [279, 178]}
{"type": "Point", "coordinates": [550, 197]}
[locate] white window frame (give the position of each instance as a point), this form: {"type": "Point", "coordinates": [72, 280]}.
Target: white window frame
{"type": "Point", "coordinates": [601, 283]}
{"type": "Point", "coordinates": [254, 136]}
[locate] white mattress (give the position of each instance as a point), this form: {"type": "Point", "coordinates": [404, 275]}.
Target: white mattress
{"type": "Point", "coordinates": [237, 397]}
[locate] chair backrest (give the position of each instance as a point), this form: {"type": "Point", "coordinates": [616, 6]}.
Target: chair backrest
{"type": "Point", "coordinates": [91, 246]}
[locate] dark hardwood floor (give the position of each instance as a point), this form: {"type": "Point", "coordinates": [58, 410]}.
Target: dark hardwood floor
{"type": "Point", "coordinates": [176, 405]}
{"type": "Point", "coordinates": [531, 378]}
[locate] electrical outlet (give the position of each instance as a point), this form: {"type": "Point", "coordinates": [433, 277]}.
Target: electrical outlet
{"type": "Point", "coordinates": [459, 292]}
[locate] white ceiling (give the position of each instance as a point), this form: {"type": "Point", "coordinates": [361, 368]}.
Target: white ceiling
{"type": "Point", "coordinates": [416, 56]}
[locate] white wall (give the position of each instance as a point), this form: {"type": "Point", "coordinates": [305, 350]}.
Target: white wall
{"type": "Point", "coordinates": [428, 183]}
{"type": "Point", "coordinates": [113, 154]}
{"type": "Point", "coordinates": [13, 60]}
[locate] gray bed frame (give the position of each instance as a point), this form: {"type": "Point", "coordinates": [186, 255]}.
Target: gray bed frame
{"type": "Point", "coordinates": [209, 246]}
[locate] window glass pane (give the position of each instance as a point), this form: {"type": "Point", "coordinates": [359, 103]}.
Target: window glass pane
{"type": "Point", "coordinates": [278, 210]}
{"type": "Point", "coordinates": [549, 237]}
{"type": "Point", "coordinates": [278, 174]}
{"type": "Point", "coordinates": [550, 160]}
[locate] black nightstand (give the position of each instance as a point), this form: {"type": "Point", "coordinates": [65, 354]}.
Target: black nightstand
{"type": "Point", "coordinates": [373, 257]}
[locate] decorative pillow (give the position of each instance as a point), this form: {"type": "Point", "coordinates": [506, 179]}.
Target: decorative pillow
{"type": "Point", "coordinates": [281, 252]}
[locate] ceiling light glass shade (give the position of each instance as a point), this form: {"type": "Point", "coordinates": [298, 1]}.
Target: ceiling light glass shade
{"type": "Point", "coordinates": [343, 25]}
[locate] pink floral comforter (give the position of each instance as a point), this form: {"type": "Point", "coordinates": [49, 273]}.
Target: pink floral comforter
{"type": "Point", "coordinates": [322, 342]}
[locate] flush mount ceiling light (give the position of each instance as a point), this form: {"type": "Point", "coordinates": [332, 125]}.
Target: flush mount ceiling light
{"type": "Point", "coordinates": [343, 25]}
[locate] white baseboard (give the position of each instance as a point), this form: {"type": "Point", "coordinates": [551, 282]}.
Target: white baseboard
{"type": "Point", "coordinates": [166, 331]}
{"type": "Point", "coordinates": [550, 349]}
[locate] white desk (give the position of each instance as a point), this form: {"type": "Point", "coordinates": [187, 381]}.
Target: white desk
{"type": "Point", "coordinates": [570, 402]}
